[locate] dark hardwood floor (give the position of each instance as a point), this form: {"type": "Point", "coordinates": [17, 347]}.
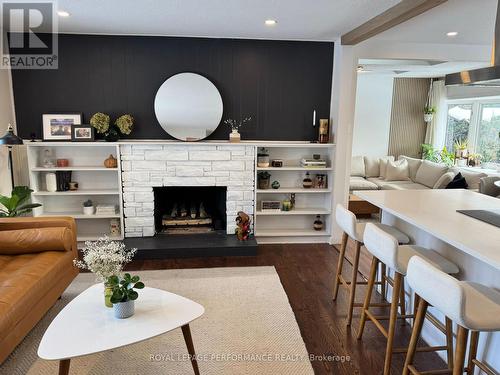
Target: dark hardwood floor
{"type": "Point", "coordinates": [306, 272]}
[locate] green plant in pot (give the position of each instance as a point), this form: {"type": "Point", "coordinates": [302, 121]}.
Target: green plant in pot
{"type": "Point", "coordinates": [18, 202]}
{"type": "Point", "coordinates": [429, 113]}
{"type": "Point", "coordinates": [123, 125]}
{"type": "Point", "coordinates": [263, 179]}
{"type": "Point", "coordinates": [124, 295]}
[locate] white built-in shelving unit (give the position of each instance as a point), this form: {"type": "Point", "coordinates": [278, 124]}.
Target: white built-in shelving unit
{"type": "Point", "coordinates": [96, 182]}
{"type": "Point", "coordinates": [296, 225]}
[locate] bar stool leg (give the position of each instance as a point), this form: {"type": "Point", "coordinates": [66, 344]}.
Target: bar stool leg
{"type": "Point", "coordinates": [458, 361]}
{"type": "Point", "coordinates": [402, 301]}
{"type": "Point", "coordinates": [415, 334]}
{"type": "Point", "coordinates": [366, 304]}
{"type": "Point", "coordinates": [383, 276]}
{"type": "Point", "coordinates": [474, 339]}
{"type": "Point", "coordinates": [340, 263]}
{"type": "Point", "coordinates": [354, 278]}
{"type": "Point", "coordinates": [449, 342]}
{"type": "Point", "coordinates": [392, 322]}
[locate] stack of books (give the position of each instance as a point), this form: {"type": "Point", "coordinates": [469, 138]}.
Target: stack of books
{"type": "Point", "coordinates": [105, 209]}
{"type": "Point", "coordinates": [313, 163]}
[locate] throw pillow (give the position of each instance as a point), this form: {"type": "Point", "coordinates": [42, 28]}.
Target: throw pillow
{"type": "Point", "coordinates": [358, 166]}
{"type": "Point", "coordinates": [413, 165]}
{"type": "Point", "coordinates": [473, 178]}
{"type": "Point", "coordinates": [397, 171]}
{"type": "Point", "coordinates": [372, 166]}
{"type": "Point", "coordinates": [429, 173]}
{"type": "Point", "coordinates": [383, 164]}
{"type": "Point", "coordinates": [444, 180]}
{"type": "Point", "coordinates": [458, 182]}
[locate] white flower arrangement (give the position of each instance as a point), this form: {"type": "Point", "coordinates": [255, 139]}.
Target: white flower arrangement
{"type": "Point", "coordinates": [104, 257]}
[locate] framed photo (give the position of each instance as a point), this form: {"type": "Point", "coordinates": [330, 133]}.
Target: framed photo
{"type": "Point", "coordinates": [57, 127]}
{"type": "Point", "coordinates": [82, 133]}
{"type": "Point", "coordinates": [270, 206]}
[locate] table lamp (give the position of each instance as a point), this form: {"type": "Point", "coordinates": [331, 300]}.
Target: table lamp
{"type": "Point", "coordinates": [10, 140]}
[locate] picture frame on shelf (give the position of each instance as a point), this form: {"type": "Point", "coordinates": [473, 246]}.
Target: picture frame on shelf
{"type": "Point", "coordinates": [270, 206]}
{"type": "Point", "coordinates": [58, 126]}
{"type": "Point", "coordinates": [82, 133]}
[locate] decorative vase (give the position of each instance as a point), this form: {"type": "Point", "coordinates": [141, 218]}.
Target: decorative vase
{"type": "Point", "coordinates": [275, 185]}
{"type": "Point", "coordinates": [234, 136]}
{"type": "Point", "coordinates": [108, 292]}
{"type": "Point", "coordinates": [428, 117]}
{"type": "Point", "coordinates": [124, 310]}
{"type": "Point", "coordinates": [263, 159]}
{"type": "Point", "coordinates": [264, 183]}
{"type": "Point", "coordinates": [112, 135]}
{"type": "Point", "coordinates": [307, 182]}
{"type": "Point", "coordinates": [51, 182]}
{"type": "Point", "coordinates": [111, 162]}
{"type": "Point", "coordinates": [88, 210]}
{"type": "Point", "coordinates": [318, 223]}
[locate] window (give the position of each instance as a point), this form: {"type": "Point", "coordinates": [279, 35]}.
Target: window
{"type": "Point", "coordinates": [478, 122]}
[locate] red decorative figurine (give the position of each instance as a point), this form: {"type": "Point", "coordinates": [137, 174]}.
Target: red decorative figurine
{"type": "Point", "coordinates": [243, 226]}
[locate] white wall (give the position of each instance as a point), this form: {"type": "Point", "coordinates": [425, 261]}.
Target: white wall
{"type": "Point", "coordinates": [6, 117]}
{"type": "Point", "coordinates": [372, 116]}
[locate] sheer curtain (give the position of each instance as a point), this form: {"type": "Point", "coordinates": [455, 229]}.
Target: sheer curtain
{"type": "Point", "coordinates": [436, 129]}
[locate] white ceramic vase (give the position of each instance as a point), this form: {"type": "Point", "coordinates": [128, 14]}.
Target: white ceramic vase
{"type": "Point", "coordinates": [234, 136]}
{"type": "Point", "coordinates": [88, 210]}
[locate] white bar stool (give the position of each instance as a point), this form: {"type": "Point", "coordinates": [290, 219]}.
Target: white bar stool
{"type": "Point", "coordinates": [354, 230]}
{"type": "Point", "coordinates": [472, 306]}
{"type": "Point", "coordinates": [385, 249]}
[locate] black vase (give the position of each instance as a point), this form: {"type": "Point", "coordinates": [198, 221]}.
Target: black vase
{"type": "Point", "coordinates": [112, 135]}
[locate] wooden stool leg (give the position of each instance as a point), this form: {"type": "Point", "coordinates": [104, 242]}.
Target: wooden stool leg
{"type": "Point", "coordinates": [449, 342]}
{"type": "Point", "coordinates": [402, 301]}
{"type": "Point", "coordinates": [392, 322]}
{"type": "Point", "coordinates": [354, 279]}
{"type": "Point", "coordinates": [458, 361]}
{"type": "Point", "coordinates": [368, 297]}
{"type": "Point", "coordinates": [474, 339]}
{"type": "Point", "coordinates": [64, 366]}
{"type": "Point", "coordinates": [383, 275]}
{"type": "Point", "coordinates": [415, 334]}
{"type": "Point", "coordinates": [189, 343]}
{"type": "Point", "coordinates": [340, 263]}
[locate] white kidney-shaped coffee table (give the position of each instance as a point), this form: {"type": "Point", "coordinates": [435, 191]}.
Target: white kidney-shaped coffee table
{"type": "Point", "coordinates": [85, 326]}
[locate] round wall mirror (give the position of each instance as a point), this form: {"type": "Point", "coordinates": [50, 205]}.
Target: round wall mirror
{"type": "Point", "coordinates": [188, 106]}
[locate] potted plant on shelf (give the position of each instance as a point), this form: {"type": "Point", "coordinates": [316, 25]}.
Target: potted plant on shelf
{"type": "Point", "coordinates": [105, 258]}
{"type": "Point", "coordinates": [124, 295]}
{"type": "Point", "coordinates": [263, 178]}
{"type": "Point", "coordinates": [461, 152]}
{"type": "Point", "coordinates": [263, 158]}
{"type": "Point", "coordinates": [429, 113]}
{"type": "Point", "coordinates": [123, 125]}
{"type": "Point", "coordinates": [235, 136]}
{"type": "Point", "coordinates": [475, 160]}
{"type": "Point", "coordinates": [88, 207]}
{"type": "Point", "coordinates": [17, 204]}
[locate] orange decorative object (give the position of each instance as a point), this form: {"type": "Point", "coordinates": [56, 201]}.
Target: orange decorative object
{"type": "Point", "coordinates": [111, 162]}
{"type": "Point", "coordinates": [61, 163]}
{"type": "Point", "coordinates": [243, 226]}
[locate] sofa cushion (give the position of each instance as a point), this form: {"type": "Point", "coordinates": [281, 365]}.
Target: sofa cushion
{"type": "Point", "coordinates": [444, 180]}
{"type": "Point", "coordinates": [383, 164]}
{"type": "Point", "coordinates": [377, 181]}
{"type": "Point", "coordinates": [358, 166]}
{"type": "Point", "coordinates": [372, 166]}
{"type": "Point", "coordinates": [473, 178]}
{"type": "Point", "coordinates": [429, 173]}
{"type": "Point", "coordinates": [413, 165]}
{"type": "Point", "coordinates": [403, 185]}
{"type": "Point", "coordinates": [397, 170]}
{"type": "Point", "coordinates": [359, 183]}
{"type": "Point", "coordinates": [35, 240]}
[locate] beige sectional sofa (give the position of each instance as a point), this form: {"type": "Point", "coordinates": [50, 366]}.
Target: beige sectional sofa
{"type": "Point", "coordinates": [369, 173]}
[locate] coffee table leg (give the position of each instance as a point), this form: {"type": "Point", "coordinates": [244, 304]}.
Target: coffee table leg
{"type": "Point", "coordinates": [64, 366]}
{"type": "Point", "coordinates": [189, 343]}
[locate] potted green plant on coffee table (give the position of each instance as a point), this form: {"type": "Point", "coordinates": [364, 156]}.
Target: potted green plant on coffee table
{"type": "Point", "coordinates": [124, 295]}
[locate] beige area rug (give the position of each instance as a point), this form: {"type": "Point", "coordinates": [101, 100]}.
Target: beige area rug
{"type": "Point", "coordinates": [248, 328]}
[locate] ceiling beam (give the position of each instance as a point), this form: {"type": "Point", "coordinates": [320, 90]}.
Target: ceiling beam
{"type": "Point", "coordinates": [399, 13]}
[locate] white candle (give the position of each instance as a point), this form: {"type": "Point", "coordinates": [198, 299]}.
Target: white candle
{"type": "Point", "coordinates": [314, 118]}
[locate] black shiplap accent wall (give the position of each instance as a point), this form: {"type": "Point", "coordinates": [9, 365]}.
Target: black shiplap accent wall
{"type": "Point", "coordinates": [278, 83]}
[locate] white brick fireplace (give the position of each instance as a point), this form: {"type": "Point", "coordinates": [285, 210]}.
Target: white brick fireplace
{"type": "Point", "coordinates": [147, 166]}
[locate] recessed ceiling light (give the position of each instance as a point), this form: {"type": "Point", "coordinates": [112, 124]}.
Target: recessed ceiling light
{"type": "Point", "coordinates": [271, 22]}
{"type": "Point", "coordinates": [62, 13]}
{"type": "Point", "coordinates": [452, 33]}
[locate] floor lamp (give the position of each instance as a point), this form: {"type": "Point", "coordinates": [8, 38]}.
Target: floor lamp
{"type": "Point", "coordinates": [9, 140]}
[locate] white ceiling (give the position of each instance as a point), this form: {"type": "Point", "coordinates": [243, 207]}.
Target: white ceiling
{"type": "Point", "coordinates": [474, 20]}
{"type": "Point", "coordinates": [297, 19]}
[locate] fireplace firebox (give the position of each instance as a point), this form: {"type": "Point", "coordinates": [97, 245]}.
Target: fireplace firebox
{"type": "Point", "coordinates": [189, 209]}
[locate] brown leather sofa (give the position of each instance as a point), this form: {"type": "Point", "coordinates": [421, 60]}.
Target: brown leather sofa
{"type": "Point", "coordinates": [36, 266]}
